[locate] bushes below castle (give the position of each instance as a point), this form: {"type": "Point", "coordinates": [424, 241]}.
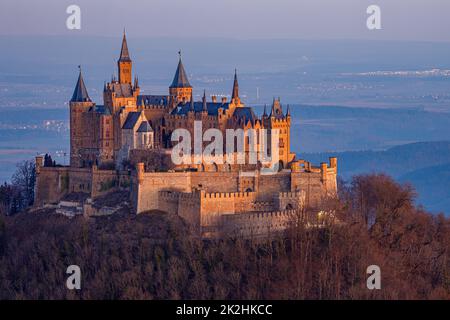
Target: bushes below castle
{"type": "Point", "coordinates": [153, 256]}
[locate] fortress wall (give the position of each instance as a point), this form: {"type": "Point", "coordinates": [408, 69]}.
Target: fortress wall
{"type": "Point", "coordinates": [189, 208]}
{"type": "Point", "coordinates": [263, 206]}
{"type": "Point", "coordinates": [80, 180]}
{"type": "Point", "coordinates": [290, 200]}
{"type": "Point", "coordinates": [214, 205]}
{"type": "Point", "coordinates": [168, 201]}
{"type": "Point", "coordinates": [216, 181]}
{"type": "Point", "coordinates": [331, 182]}
{"type": "Point", "coordinates": [269, 185]}
{"type": "Point", "coordinates": [257, 224]}
{"type": "Point", "coordinates": [144, 193]}
{"type": "Point", "coordinates": [219, 191]}
{"type": "Point", "coordinates": [51, 185]}
{"type": "Point", "coordinates": [315, 186]}
{"type": "Point", "coordinates": [105, 181]}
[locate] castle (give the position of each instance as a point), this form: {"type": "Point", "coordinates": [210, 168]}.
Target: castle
{"type": "Point", "coordinates": [113, 146]}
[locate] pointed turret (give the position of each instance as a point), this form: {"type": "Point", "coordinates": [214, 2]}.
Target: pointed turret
{"type": "Point", "coordinates": [272, 111]}
{"type": "Point", "coordinates": [124, 63]}
{"type": "Point", "coordinates": [265, 111]}
{"type": "Point", "coordinates": [180, 80]}
{"type": "Point", "coordinates": [205, 106]}
{"type": "Point", "coordinates": [288, 111]}
{"type": "Point", "coordinates": [80, 93]}
{"type": "Point", "coordinates": [277, 109]}
{"type": "Point", "coordinates": [124, 54]}
{"type": "Point", "coordinates": [235, 94]}
{"type": "Point", "coordinates": [180, 90]}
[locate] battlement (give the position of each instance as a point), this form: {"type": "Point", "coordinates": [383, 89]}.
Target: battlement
{"type": "Point", "coordinates": [229, 195]}
{"type": "Point", "coordinates": [175, 195]}
{"type": "Point", "coordinates": [253, 216]}
{"type": "Point", "coordinates": [280, 121]}
{"type": "Point", "coordinates": [294, 194]}
{"type": "Point", "coordinates": [251, 224]}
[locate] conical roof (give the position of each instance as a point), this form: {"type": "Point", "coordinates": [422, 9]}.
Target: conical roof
{"type": "Point", "coordinates": [180, 80]}
{"type": "Point", "coordinates": [80, 93]}
{"type": "Point", "coordinates": [124, 54]}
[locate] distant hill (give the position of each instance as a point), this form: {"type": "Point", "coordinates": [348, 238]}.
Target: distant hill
{"type": "Point", "coordinates": [395, 161]}
{"type": "Point", "coordinates": [433, 186]}
{"type": "Point", "coordinates": [425, 164]}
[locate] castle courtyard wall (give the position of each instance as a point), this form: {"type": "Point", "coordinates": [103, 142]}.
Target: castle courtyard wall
{"type": "Point", "coordinates": [53, 183]}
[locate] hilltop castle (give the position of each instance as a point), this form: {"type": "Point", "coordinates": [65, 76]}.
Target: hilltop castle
{"type": "Point", "coordinates": [113, 146]}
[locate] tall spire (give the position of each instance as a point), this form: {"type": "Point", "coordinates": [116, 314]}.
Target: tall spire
{"type": "Point", "coordinates": [272, 111]}
{"type": "Point", "coordinates": [288, 111]}
{"type": "Point", "coordinates": [80, 93]}
{"type": "Point", "coordinates": [124, 54]}
{"type": "Point", "coordinates": [235, 93]}
{"type": "Point", "coordinates": [265, 110]}
{"type": "Point", "coordinates": [180, 80]}
{"type": "Point", "coordinates": [205, 106]}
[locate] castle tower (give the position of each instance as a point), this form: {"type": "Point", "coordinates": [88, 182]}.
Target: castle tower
{"type": "Point", "coordinates": [180, 90]}
{"type": "Point", "coordinates": [281, 122]}
{"type": "Point", "coordinates": [124, 63]}
{"type": "Point", "coordinates": [79, 105]}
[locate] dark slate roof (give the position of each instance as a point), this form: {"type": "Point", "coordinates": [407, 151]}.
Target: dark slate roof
{"type": "Point", "coordinates": [180, 80]}
{"type": "Point", "coordinates": [80, 93]}
{"type": "Point", "coordinates": [212, 107]}
{"type": "Point", "coordinates": [122, 90]}
{"type": "Point", "coordinates": [132, 118]}
{"type": "Point", "coordinates": [145, 127]}
{"type": "Point", "coordinates": [153, 100]}
{"type": "Point", "coordinates": [245, 113]}
{"type": "Point", "coordinates": [277, 109]}
{"type": "Point", "coordinates": [124, 54]}
{"type": "Point", "coordinates": [235, 93]}
{"type": "Point", "coordinates": [103, 110]}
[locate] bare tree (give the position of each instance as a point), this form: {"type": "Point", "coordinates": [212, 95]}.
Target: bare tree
{"type": "Point", "coordinates": [24, 179]}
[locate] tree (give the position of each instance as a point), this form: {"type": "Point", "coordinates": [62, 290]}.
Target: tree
{"type": "Point", "coordinates": [24, 179]}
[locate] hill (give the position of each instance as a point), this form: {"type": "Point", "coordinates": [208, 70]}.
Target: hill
{"type": "Point", "coordinates": [154, 255]}
{"type": "Point", "coordinates": [433, 186]}
{"type": "Point", "coordinates": [424, 164]}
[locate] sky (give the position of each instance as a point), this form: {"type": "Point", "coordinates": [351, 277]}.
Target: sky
{"type": "Point", "coordinates": [401, 20]}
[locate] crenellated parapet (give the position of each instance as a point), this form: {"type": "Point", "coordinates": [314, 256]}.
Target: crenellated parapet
{"type": "Point", "coordinates": [254, 224]}
{"type": "Point", "coordinates": [228, 195]}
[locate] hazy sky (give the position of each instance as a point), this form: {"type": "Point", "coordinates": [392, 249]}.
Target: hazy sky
{"type": "Point", "coordinates": [318, 19]}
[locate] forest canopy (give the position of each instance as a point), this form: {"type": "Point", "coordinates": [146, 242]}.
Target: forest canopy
{"type": "Point", "coordinates": [154, 256]}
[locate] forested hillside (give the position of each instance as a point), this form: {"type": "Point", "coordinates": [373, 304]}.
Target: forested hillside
{"type": "Point", "coordinates": [153, 255]}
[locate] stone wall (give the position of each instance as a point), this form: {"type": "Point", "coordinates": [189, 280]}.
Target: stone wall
{"type": "Point", "coordinates": [254, 224]}
{"type": "Point", "coordinates": [215, 205]}
{"type": "Point", "coordinates": [53, 183]}
{"type": "Point", "coordinates": [146, 186]}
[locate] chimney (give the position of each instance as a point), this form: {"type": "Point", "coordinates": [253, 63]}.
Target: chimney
{"type": "Point", "coordinates": [224, 99]}
{"type": "Point", "coordinates": [214, 98]}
